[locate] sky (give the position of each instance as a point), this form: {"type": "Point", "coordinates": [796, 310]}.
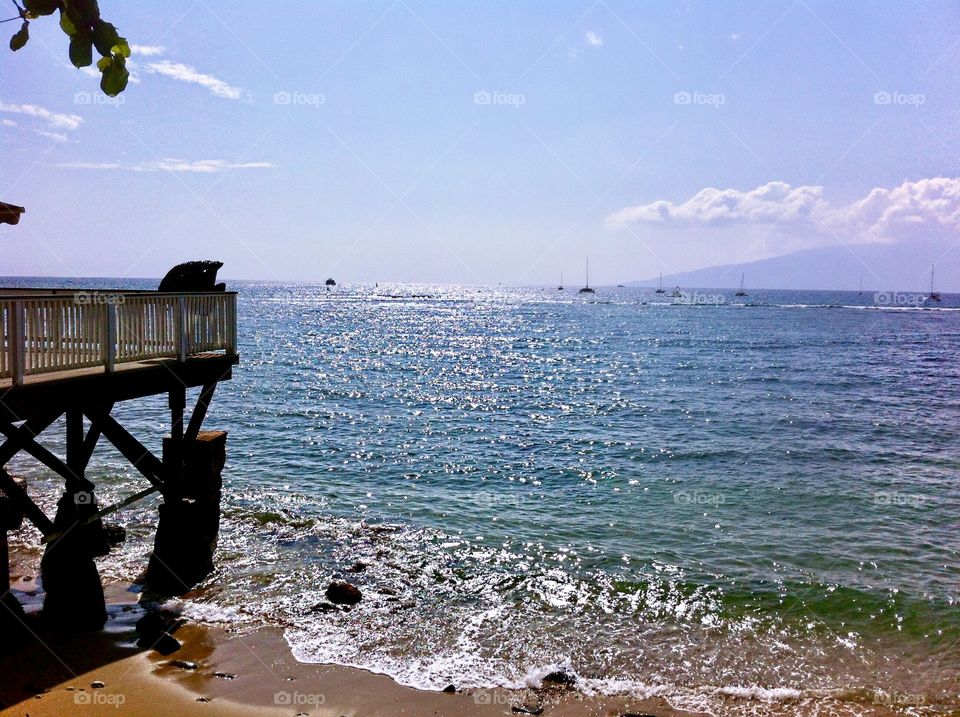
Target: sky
{"type": "Point", "coordinates": [484, 142]}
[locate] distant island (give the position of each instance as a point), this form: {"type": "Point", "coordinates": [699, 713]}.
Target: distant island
{"type": "Point", "coordinates": [904, 267]}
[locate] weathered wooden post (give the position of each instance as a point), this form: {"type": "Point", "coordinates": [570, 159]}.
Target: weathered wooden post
{"type": "Point", "coordinates": [74, 595]}
{"type": "Point", "coordinates": [190, 514]}
{"type": "Point", "coordinates": [12, 630]}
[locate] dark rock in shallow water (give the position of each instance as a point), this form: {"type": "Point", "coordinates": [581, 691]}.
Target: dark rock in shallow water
{"type": "Point", "coordinates": [559, 677]}
{"type": "Point", "coordinates": [151, 625]}
{"type": "Point", "coordinates": [183, 664]}
{"type": "Point", "coordinates": [527, 709]}
{"type": "Point", "coordinates": [165, 644]}
{"type": "Point", "coordinates": [98, 685]}
{"type": "Point", "coordinates": [341, 593]}
{"type": "Point", "coordinates": [114, 534]}
{"type": "Point", "coordinates": [357, 567]}
{"type": "Point", "coordinates": [324, 607]}
{"type": "Point", "coordinates": [449, 689]}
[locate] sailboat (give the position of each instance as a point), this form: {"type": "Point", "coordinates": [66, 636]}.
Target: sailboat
{"type": "Point", "coordinates": [586, 289]}
{"type": "Point", "coordinates": [934, 295]}
{"type": "Point", "coordinates": [560, 288]}
{"type": "Point", "coordinates": [741, 292]}
{"type": "Point", "coordinates": [660, 287]}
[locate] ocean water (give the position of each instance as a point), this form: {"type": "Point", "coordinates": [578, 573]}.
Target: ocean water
{"type": "Point", "coordinates": [733, 503]}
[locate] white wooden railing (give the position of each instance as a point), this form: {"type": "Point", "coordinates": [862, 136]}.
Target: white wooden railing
{"type": "Point", "coordinates": [47, 332]}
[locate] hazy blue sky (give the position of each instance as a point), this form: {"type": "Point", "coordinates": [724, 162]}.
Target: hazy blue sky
{"type": "Point", "coordinates": [483, 142]}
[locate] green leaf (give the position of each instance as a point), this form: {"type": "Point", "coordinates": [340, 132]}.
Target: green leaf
{"type": "Point", "coordinates": [121, 48]}
{"type": "Point", "coordinates": [115, 76]}
{"type": "Point", "coordinates": [20, 39]}
{"type": "Point", "coordinates": [81, 50]}
{"type": "Point", "coordinates": [105, 36]}
{"type": "Point", "coordinates": [41, 7]}
{"type": "Point", "coordinates": [66, 24]}
{"type": "Point", "coordinates": [104, 62]}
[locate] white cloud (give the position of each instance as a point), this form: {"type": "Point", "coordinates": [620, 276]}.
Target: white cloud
{"type": "Point", "coordinates": [147, 50]}
{"type": "Point", "coordinates": [203, 166]}
{"type": "Point", "coordinates": [594, 39]}
{"type": "Point", "coordinates": [89, 165]}
{"type": "Point", "coordinates": [55, 120]}
{"type": "Point", "coordinates": [8, 122]}
{"type": "Point", "coordinates": [186, 73]}
{"type": "Point", "coordinates": [882, 215]}
{"type": "Point", "coordinates": [734, 36]}
{"type": "Point", "coordinates": [55, 136]}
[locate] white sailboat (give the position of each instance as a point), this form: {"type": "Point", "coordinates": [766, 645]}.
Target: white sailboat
{"type": "Point", "coordinates": [740, 291]}
{"type": "Point", "coordinates": [934, 295]}
{"type": "Point", "coordinates": [660, 287]}
{"type": "Point", "coordinates": [586, 289]}
{"type": "Point", "coordinates": [560, 288]}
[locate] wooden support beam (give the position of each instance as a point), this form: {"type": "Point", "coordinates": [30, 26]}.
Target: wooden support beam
{"type": "Point", "coordinates": [75, 442]}
{"type": "Point", "coordinates": [140, 458]}
{"type": "Point", "coordinates": [178, 402]}
{"type": "Point", "coordinates": [32, 427]}
{"type": "Point", "coordinates": [27, 443]}
{"type": "Point", "coordinates": [17, 494]}
{"type": "Point", "coordinates": [200, 411]}
{"type": "Point", "coordinates": [93, 436]}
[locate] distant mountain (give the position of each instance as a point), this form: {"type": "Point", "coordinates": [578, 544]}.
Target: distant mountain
{"type": "Point", "coordinates": [884, 267]}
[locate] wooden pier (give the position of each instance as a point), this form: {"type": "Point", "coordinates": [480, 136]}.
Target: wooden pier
{"type": "Point", "coordinates": [78, 353]}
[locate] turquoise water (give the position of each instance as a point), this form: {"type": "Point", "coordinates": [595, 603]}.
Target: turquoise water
{"type": "Point", "coordinates": [722, 497]}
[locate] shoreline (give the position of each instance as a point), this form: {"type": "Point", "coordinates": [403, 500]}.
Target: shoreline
{"type": "Point", "coordinates": [246, 671]}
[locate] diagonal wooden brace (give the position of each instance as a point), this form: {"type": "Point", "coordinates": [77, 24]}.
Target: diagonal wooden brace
{"type": "Point", "coordinates": [200, 411]}
{"type": "Point", "coordinates": [30, 428]}
{"type": "Point", "coordinates": [140, 458]}
{"type": "Point", "coordinates": [23, 440]}
{"type": "Point", "coordinates": [19, 496]}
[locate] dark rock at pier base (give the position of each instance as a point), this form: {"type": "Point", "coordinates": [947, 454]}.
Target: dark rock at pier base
{"type": "Point", "coordinates": [341, 593]}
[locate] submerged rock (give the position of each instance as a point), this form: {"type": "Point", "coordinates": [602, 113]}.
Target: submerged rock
{"type": "Point", "coordinates": [164, 643]}
{"type": "Point", "coordinates": [151, 625]}
{"type": "Point", "coordinates": [559, 677]}
{"type": "Point", "coordinates": [449, 689]}
{"type": "Point", "coordinates": [357, 567]}
{"type": "Point", "coordinates": [183, 664]}
{"type": "Point", "coordinates": [342, 593]}
{"type": "Point", "coordinates": [324, 606]}
{"type": "Point", "coordinates": [527, 709]}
